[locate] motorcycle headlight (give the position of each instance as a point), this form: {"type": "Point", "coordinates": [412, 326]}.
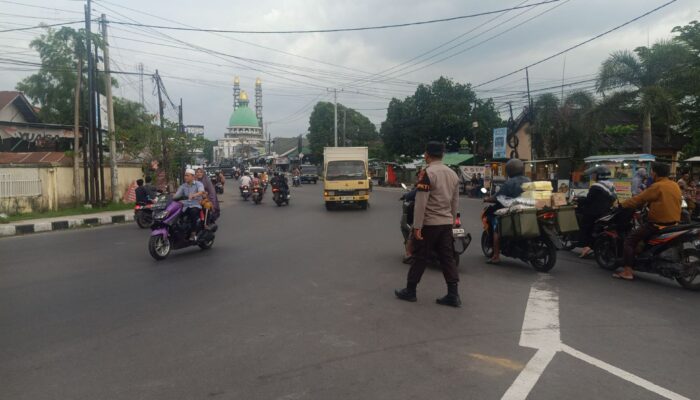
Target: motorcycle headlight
{"type": "Point", "coordinates": [161, 215]}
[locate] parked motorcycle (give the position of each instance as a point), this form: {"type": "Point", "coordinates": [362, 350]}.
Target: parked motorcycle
{"type": "Point", "coordinates": [296, 181]}
{"type": "Point", "coordinates": [461, 238]}
{"type": "Point", "coordinates": [245, 192]}
{"type": "Point", "coordinates": [170, 230]}
{"type": "Point", "coordinates": [538, 249]}
{"type": "Point", "coordinates": [674, 252]}
{"type": "Point", "coordinates": [257, 195]}
{"type": "Point", "coordinates": [280, 196]}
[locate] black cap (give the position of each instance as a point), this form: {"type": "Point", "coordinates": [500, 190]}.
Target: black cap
{"type": "Point", "coordinates": [435, 149]}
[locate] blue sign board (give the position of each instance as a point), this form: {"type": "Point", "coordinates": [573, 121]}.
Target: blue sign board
{"type": "Point", "coordinates": [499, 143]}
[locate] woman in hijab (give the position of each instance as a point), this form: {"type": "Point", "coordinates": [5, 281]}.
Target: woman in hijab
{"type": "Point", "coordinates": [597, 203]}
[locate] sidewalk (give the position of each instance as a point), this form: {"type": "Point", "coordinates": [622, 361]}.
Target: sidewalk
{"type": "Point", "coordinates": [65, 222]}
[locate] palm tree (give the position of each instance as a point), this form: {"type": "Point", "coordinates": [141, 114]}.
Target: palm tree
{"type": "Point", "coordinates": [640, 80]}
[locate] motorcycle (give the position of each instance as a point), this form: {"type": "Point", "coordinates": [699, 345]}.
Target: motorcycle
{"type": "Point", "coordinates": [280, 196]}
{"type": "Point", "coordinates": [245, 192]}
{"type": "Point", "coordinates": [143, 212]}
{"type": "Point", "coordinates": [170, 230]}
{"type": "Point", "coordinates": [460, 238]}
{"type": "Point", "coordinates": [673, 252]}
{"type": "Point", "coordinates": [539, 251]}
{"type": "Point", "coordinates": [257, 195]}
{"type": "Point", "coordinates": [296, 181]}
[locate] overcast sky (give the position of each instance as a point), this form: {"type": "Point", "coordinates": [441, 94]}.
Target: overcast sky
{"type": "Point", "coordinates": [370, 66]}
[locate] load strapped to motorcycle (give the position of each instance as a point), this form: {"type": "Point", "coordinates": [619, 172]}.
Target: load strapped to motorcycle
{"type": "Point", "coordinates": [520, 218]}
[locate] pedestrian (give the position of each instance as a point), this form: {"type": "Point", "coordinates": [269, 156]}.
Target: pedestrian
{"type": "Point", "coordinates": [435, 211]}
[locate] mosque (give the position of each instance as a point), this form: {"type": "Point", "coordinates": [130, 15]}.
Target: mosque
{"type": "Point", "coordinates": [244, 137]}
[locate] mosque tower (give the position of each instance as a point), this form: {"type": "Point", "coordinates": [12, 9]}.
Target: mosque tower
{"type": "Point", "coordinates": [258, 101]}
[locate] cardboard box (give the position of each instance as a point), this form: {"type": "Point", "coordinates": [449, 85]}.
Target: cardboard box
{"type": "Point", "coordinates": [558, 199]}
{"type": "Point", "coordinates": [543, 203]}
{"type": "Point", "coordinates": [537, 185]}
{"type": "Point", "coordinates": [537, 194]}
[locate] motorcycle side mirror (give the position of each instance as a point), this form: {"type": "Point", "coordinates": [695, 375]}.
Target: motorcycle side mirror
{"type": "Point", "coordinates": [484, 191]}
{"type": "Point", "coordinates": [403, 185]}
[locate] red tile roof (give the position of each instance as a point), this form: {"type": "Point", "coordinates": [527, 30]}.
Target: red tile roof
{"type": "Point", "coordinates": [7, 96]}
{"type": "Point", "coordinates": [39, 157]}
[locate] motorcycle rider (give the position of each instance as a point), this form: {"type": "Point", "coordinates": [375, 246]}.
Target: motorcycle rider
{"type": "Point", "coordinates": [245, 180]}
{"type": "Point", "coordinates": [512, 188]}
{"type": "Point", "coordinates": [280, 181]}
{"type": "Point", "coordinates": [192, 192]}
{"type": "Point", "coordinates": [597, 203]}
{"type": "Point", "coordinates": [663, 198]}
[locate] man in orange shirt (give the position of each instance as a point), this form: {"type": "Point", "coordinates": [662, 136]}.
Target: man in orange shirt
{"type": "Point", "coordinates": [664, 201]}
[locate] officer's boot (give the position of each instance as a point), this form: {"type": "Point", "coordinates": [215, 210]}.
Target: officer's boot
{"type": "Point", "coordinates": [452, 297]}
{"type": "Point", "coordinates": [408, 293]}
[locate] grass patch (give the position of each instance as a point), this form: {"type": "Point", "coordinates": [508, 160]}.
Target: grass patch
{"type": "Point", "coordinates": [67, 212]}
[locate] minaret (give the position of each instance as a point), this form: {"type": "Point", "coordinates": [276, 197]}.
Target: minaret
{"type": "Point", "coordinates": [236, 92]}
{"type": "Point", "coordinates": [258, 101]}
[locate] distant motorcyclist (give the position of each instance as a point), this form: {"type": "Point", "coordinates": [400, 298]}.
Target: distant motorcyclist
{"type": "Point", "coordinates": [664, 201]}
{"type": "Point", "coordinates": [245, 179]}
{"type": "Point", "coordinates": [512, 188]}
{"type": "Point", "coordinates": [597, 203]}
{"type": "Point", "coordinates": [279, 181]}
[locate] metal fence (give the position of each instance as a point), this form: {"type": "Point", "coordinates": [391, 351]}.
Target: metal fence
{"type": "Point", "coordinates": [20, 183]}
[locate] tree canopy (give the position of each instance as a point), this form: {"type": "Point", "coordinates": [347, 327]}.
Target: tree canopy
{"type": "Point", "coordinates": [443, 111]}
{"type": "Point", "coordinates": [358, 129]}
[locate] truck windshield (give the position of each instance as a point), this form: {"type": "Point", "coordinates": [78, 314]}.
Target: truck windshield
{"type": "Point", "coordinates": [345, 170]}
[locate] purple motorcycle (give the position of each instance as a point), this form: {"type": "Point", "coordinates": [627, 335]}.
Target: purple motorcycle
{"type": "Point", "coordinates": [170, 230]}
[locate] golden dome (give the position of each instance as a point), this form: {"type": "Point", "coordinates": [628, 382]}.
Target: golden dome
{"type": "Point", "coordinates": [244, 95]}
{"type": "Point", "coordinates": [258, 81]}
{"type": "Point", "coordinates": [236, 80]}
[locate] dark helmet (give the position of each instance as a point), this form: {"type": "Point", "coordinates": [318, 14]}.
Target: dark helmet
{"type": "Point", "coordinates": [514, 167]}
{"type": "Point", "coordinates": [276, 173]}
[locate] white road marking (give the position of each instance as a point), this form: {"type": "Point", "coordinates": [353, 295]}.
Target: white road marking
{"type": "Point", "coordinates": [541, 331]}
{"type": "Point", "coordinates": [623, 374]}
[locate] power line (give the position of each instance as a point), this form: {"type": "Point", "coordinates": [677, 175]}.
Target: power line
{"type": "Point", "coordinates": [43, 26]}
{"type": "Point", "coordinates": [364, 28]}
{"type": "Point", "coordinates": [42, 7]}
{"type": "Point", "coordinates": [577, 45]}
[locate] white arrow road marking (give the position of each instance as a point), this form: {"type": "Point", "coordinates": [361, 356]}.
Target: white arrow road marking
{"type": "Point", "coordinates": [541, 331]}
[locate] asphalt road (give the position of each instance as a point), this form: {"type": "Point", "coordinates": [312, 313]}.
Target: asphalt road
{"type": "Point", "coordinates": [297, 303]}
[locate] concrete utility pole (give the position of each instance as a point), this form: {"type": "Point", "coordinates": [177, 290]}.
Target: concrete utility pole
{"type": "Point", "coordinates": [335, 115]}
{"type": "Point", "coordinates": [76, 128]}
{"type": "Point", "coordinates": [161, 117]}
{"type": "Point", "coordinates": [114, 174]}
{"type": "Point", "coordinates": [91, 106]}
{"type": "Point", "coordinates": [345, 115]}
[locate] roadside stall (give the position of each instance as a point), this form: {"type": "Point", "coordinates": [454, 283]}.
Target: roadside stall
{"type": "Point", "coordinates": [693, 166]}
{"type": "Point", "coordinates": [555, 170]}
{"type": "Point", "coordinates": [622, 168]}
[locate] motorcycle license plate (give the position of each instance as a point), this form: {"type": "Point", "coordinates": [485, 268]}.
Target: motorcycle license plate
{"type": "Point", "coordinates": [458, 232]}
{"type": "Point", "coordinates": [345, 198]}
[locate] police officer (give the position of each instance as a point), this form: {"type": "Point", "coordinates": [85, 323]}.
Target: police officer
{"type": "Point", "coordinates": [433, 219]}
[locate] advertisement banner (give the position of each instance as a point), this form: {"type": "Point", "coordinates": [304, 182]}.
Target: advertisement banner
{"type": "Point", "coordinates": [499, 143]}
{"type": "Point", "coordinates": [469, 171]}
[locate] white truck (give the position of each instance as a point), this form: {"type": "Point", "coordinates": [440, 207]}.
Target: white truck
{"type": "Point", "coordinates": [345, 176]}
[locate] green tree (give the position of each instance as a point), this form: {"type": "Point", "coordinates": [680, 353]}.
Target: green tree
{"type": "Point", "coordinates": [442, 111]}
{"type": "Point", "coordinates": [643, 81]}
{"type": "Point", "coordinates": [688, 84]}
{"type": "Point", "coordinates": [52, 87]}
{"type": "Point", "coordinates": [359, 130]}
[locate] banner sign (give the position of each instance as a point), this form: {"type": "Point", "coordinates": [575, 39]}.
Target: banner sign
{"type": "Point", "coordinates": [469, 171]}
{"type": "Point", "coordinates": [33, 134]}
{"type": "Point", "coordinates": [499, 143]}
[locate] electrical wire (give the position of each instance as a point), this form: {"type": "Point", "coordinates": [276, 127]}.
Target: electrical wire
{"type": "Point", "coordinates": [365, 28]}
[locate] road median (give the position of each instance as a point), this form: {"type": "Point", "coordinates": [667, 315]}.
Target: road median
{"type": "Point", "coordinates": [29, 226]}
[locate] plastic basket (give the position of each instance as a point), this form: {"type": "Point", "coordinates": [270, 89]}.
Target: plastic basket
{"type": "Point", "coordinates": [566, 219]}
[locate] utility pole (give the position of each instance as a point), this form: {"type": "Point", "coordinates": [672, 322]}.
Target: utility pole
{"type": "Point", "coordinates": [345, 114]}
{"type": "Point", "coordinates": [114, 174]}
{"type": "Point", "coordinates": [335, 115]}
{"type": "Point", "coordinates": [91, 100]}
{"type": "Point", "coordinates": [161, 118]}
{"type": "Point", "coordinates": [529, 112]}
{"type": "Point", "coordinates": [143, 104]}
{"type": "Point", "coordinates": [76, 128]}
{"type": "Point", "coordinates": [99, 131]}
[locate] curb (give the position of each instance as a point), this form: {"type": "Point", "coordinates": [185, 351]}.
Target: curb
{"type": "Point", "coordinates": [63, 224]}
